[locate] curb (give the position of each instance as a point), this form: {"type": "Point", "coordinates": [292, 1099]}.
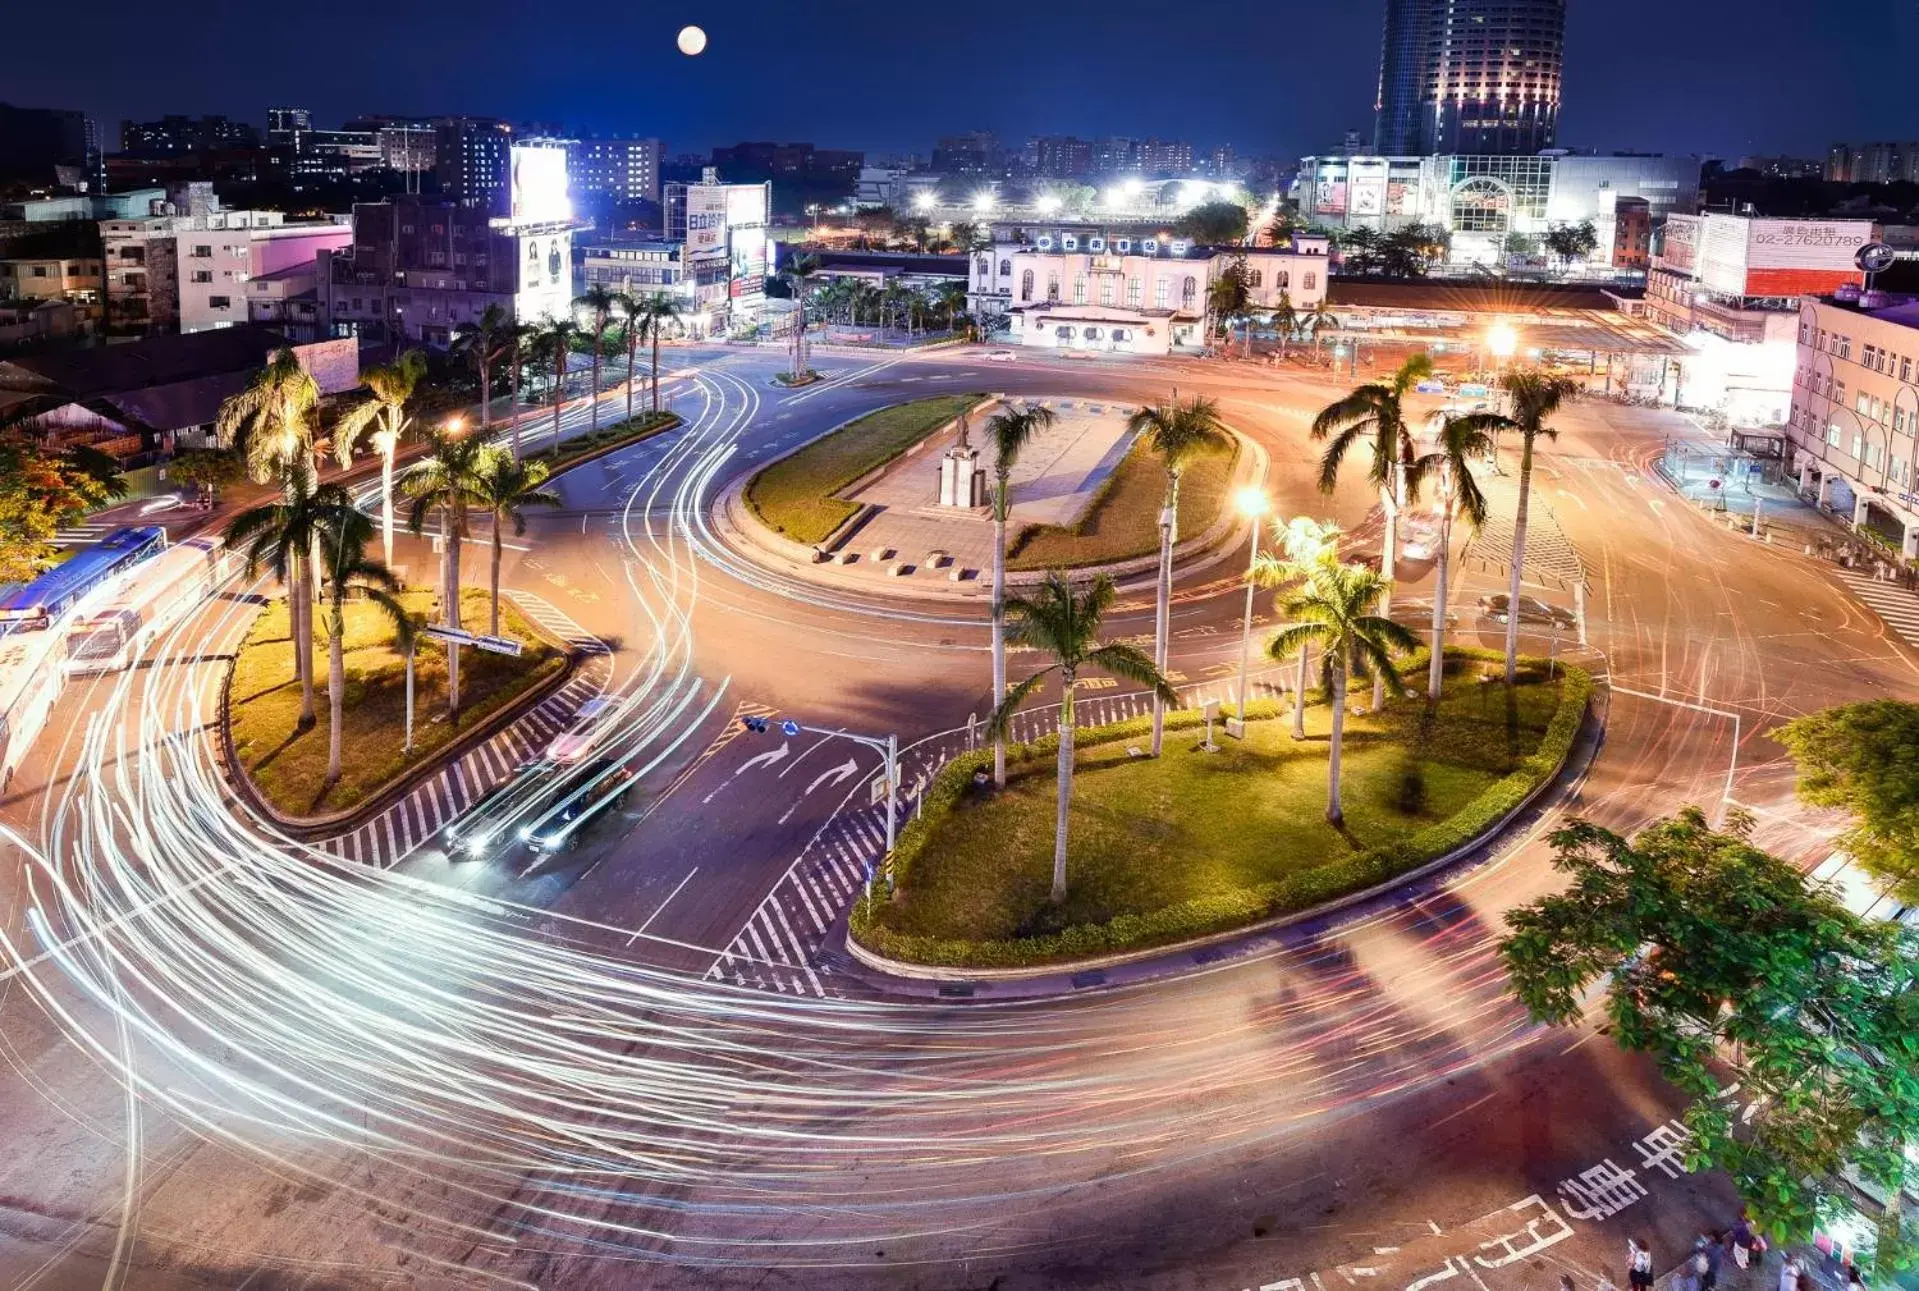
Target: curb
{"type": "Point", "coordinates": [614, 447]}
{"type": "Point", "coordinates": [319, 828]}
{"type": "Point", "coordinates": [1585, 747]}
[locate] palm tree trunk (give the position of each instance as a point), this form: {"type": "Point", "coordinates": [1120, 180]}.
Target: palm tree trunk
{"type": "Point", "coordinates": [386, 504]}
{"type": "Point", "coordinates": [559, 387]}
{"type": "Point", "coordinates": [632, 342]}
{"type": "Point", "coordinates": [594, 397]}
{"type": "Point", "coordinates": [300, 630]}
{"type": "Point", "coordinates": [486, 385]}
{"type": "Point", "coordinates": [1163, 608]}
{"type": "Point", "coordinates": [1299, 698]}
{"type": "Point", "coordinates": [450, 597]}
{"type": "Point", "coordinates": [1436, 670]}
{"type": "Point", "coordinates": [335, 685]}
{"type": "Point", "coordinates": [1519, 556]}
{"type": "Point", "coordinates": [1066, 744]}
{"type": "Point", "coordinates": [498, 520]}
{"type": "Point", "coordinates": [999, 627]}
{"type": "Point", "coordinates": [1388, 562]}
{"type": "Point", "coordinates": [656, 368]}
{"type": "Point", "coordinates": [1334, 815]}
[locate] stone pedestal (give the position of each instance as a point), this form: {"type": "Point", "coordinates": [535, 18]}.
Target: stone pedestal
{"type": "Point", "coordinates": [962, 479]}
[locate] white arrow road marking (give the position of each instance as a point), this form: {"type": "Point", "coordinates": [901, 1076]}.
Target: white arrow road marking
{"type": "Point", "coordinates": [766, 759]}
{"type": "Point", "coordinates": [835, 775]}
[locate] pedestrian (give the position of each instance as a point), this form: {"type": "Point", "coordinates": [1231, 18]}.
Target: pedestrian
{"type": "Point", "coordinates": [1712, 1252]}
{"type": "Point", "coordinates": [1639, 1265]}
{"type": "Point", "coordinates": [1703, 1265]}
{"type": "Point", "coordinates": [1687, 1278]}
{"type": "Point", "coordinates": [1565, 1282]}
{"type": "Point", "coordinates": [1605, 1281]}
{"type": "Point", "coordinates": [1789, 1273]}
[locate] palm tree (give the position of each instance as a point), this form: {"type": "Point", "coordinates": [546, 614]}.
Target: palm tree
{"type": "Point", "coordinates": [799, 275]}
{"type": "Point", "coordinates": [1461, 439]}
{"type": "Point", "coordinates": [448, 479]}
{"type": "Point", "coordinates": [1178, 432]}
{"type": "Point", "coordinates": [1533, 396]}
{"type": "Point", "coordinates": [630, 328]}
{"type": "Point", "coordinates": [344, 534]}
{"type": "Point", "coordinates": [951, 299]}
{"type": "Point", "coordinates": [504, 489]}
{"type": "Point", "coordinates": [1285, 320]}
{"type": "Point", "coordinates": [389, 388]}
{"type": "Point", "coordinates": [599, 302]}
{"type": "Point", "coordinates": [274, 425]}
{"type": "Point", "coordinates": [1305, 542]}
{"type": "Point", "coordinates": [1375, 413]}
{"type": "Point", "coordinates": [1009, 431]}
{"type": "Point", "coordinates": [559, 335]}
{"type": "Point", "coordinates": [518, 335]}
{"type": "Point", "coordinates": [1317, 318]}
{"type": "Point", "coordinates": [1065, 625]}
{"type": "Point", "coordinates": [656, 311]}
{"type": "Point", "coordinates": [482, 343]}
{"type": "Point", "coordinates": [1334, 607]}
{"type": "Point", "coordinates": [282, 535]}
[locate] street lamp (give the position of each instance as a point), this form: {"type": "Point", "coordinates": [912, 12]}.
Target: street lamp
{"type": "Point", "coordinates": [1250, 501]}
{"type": "Point", "coordinates": [1502, 340]}
{"type": "Point", "coordinates": [454, 425]}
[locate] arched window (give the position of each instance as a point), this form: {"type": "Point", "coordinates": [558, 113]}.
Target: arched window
{"type": "Point", "coordinates": [1079, 289]}
{"type": "Point", "coordinates": [1311, 280]}
{"type": "Point", "coordinates": [1282, 280]}
{"type": "Point", "coordinates": [985, 266]}
{"type": "Point", "coordinates": [1026, 285]}
{"type": "Point", "coordinates": [1106, 289]}
{"type": "Point", "coordinates": [1255, 278]}
{"type": "Point", "coordinates": [1188, 292]}
{"type": "Point", "coordinates": [1052, 288]}
{"type": "Point", "coordinates": [1005, 268]}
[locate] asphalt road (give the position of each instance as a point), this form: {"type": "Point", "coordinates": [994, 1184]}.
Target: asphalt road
{"type": "Point", "coordinates": [232, 1064]}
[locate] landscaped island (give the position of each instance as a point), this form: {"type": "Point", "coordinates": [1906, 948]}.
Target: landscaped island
{"type": "Point", "coordinates": [1194, 843]}
{"type": "Point", "coordinates": [1122, 522]}
{"type": "Point", "coordinates": [288, 766]}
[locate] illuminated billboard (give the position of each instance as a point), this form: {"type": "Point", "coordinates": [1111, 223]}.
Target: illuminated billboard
{"type": "Point", "coordinates": [538, 190]}
{"type": "Point", "coordinates": [1746, 257]}
{"type": "Point", "coordinates": [705, 218]}
{"type": "Point", "coordinates": [746, 204]}
{"type": "Point", "coordinates": [1368, 191]}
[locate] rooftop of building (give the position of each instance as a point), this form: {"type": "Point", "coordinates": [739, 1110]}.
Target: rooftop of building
{"type": "Point", "coordinates": [1468, 296]}
{"type": "Point", "coordinates": [139, 365]}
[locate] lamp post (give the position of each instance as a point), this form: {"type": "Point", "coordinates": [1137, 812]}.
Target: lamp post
{"type": "Point", "coordinates": [1502, 342]}
{"type": "Point", "coordinates": [1252, 503]}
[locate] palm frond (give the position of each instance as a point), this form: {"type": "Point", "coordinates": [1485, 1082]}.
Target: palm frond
{"type": "Point", "coordinates": [1000, 720]}
{"type": "Point", "coordinates": [1132, 664]}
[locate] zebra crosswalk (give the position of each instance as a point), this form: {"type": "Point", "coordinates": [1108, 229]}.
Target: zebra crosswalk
{"type": "Point", "coordinates": [1891, 602]}
{"type": "Point", "coordinates": [783, 946]}
{"type": "Point", "coordinates": [439, 799]}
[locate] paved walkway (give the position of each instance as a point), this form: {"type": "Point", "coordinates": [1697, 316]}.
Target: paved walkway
{"type": "Point", "coordinates": [1891, 602]}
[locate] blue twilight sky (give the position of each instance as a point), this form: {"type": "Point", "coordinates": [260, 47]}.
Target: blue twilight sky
{"type": "Point", "coordinates": [1719, 76]}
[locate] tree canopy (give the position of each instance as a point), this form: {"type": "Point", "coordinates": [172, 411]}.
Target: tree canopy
{"type": "Point", "coordinates": [41, 490]}
{"type": "Point", "coordinates": [1213, 224]}
{"type": "Point", "coordinates": [1864, 759]}
{"type": "Point", "coordinates": [1717, 955]}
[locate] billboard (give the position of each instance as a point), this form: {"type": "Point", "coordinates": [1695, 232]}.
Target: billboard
{"type": "Point", "coordinates": [1331, 197]}
{"type": "Point", "coordinates": [1681, 246]}
{"type": "Point", "coordinates": [745, 204]}
{"type": "Point", "coordinates": [538, 190]}
{"type": "Point", "coordinates": [1368, 190]}
{"type": "Point", "coordinates": [705, 218]}
{"type": "Point", "coordinates": [1746, 257]}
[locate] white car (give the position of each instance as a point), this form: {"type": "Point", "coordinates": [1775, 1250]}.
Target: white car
{"type": "Point", "coordinates": [1000, 356]}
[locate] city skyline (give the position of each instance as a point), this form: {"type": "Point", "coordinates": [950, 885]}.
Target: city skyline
{"type": "Point", "coordinates": [1632, 81]}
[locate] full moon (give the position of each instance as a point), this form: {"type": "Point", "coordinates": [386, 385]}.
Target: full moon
{"type": "Point", "coordinates": [692, 40]}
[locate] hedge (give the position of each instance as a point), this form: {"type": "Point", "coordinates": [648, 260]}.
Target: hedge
{"type": "Point", "coordinates": [1235, 908]}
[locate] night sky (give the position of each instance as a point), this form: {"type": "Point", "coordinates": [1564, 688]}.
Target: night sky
{"type": "Point", "coordinates": [1716, 76]}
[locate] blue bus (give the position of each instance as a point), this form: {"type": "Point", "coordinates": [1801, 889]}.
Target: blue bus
{"type": "Point", "coordinates": [29, 607]}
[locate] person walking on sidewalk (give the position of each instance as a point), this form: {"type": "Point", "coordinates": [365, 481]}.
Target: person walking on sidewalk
{"type": "Point", "coordinates": [1742, 1241]}
{"type": "Point", "coordinates": [1639, 1265]}
{"type": "Point", "coordinates": [1711, 1252]}
{"type": "Point", "coordinates": [1789, 1272]}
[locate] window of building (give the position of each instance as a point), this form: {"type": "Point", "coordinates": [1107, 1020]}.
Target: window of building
{"type": "Point", "coordinates": [203, 275]}
{"type": "Point", "coordinates": [1005, 268]}
{"type": "Point", "coordinates": [1842, 345]}
{"type": "Point", "coordinates": [1159, 293]}
{"type": "Point", "coordinates": [1120, 334]}
{"type": "Point", "coordinates": [1052, 288]}
{"type": "Point", "coordinates": [202, 251]}
{"type": "Point", "coordinates": [1132, 292]}
{"type": "Point", "coordinates": [1188, 292]}
{"type": "Point", "coordinates": [1282, 280]}
{"type": "Point", "coordinates": [1905, 369]}
{"type": "Point", "coordinates": [1310, 281]}
{"type": "Point", "coordinates": [1106, 289]}
{"type": "Point", "coordinates": [1092, 333]}
{"type": "Point", "coordinates": [1026, 285]}
{"type": "Point", "coordinates": [219, 302]}
{"type": "Point", "coordinates": [1064, 333]}
{"type": "Point", "coordinates": [1255, 278]}
{"type": "Point", "coordinates": [1079, 289]}
{"type": "Point", "coordinates": [1832, 434]}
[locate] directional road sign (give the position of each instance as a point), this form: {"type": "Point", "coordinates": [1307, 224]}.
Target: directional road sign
{"type": "Point", "coordinates": [789, 728]}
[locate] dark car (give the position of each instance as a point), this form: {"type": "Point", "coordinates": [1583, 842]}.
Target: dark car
{"type": "Point", "coordinates": [1532, 611]}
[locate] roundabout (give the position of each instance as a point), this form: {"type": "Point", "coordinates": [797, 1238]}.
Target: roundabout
{"type": "Point", "coordinates": [650, 1062]}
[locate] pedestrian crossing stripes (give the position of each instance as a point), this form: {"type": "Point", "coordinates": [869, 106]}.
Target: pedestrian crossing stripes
{"type": "Point", "coordinates": [1891, 602]}
{"type": "Point", "coordinates": [782, 946]}
{"type": "Point", "coordinates": [82, 534]}
{"type": "Point", "coordinates": [435, 802]}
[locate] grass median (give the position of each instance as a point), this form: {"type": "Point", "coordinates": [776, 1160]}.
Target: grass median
{"type": "Point", "coordinates": [1122, 521]}
{"type": "Point", "coordinates": [795, 495]}
{"type": "Point", "coordinates": [620, 434]}
{"type": "Point", "coordinates": [1193, 843]}
{"type": "Point", "coordinates": [288, 766]}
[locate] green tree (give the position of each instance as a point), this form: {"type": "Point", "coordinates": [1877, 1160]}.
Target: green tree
{"type": "Point", "coordinates": [40, 491]}
{"type": "Point", "coordinates": [483, 343]}
{"type": "Point", "coordinates": [1359, 251]}
{"type": "Point", "coordinates": [1864, 759]}
{"type": "Point", "coordinates": [1335, 608]}
{"type": "Point", "coordinates": [1065, 625]}
{"type": "Point", "coordinates": [450, 479]}
{"type": "Point", "coordinates": [1285, 320]}
{"type": "Point", "coordinates": [1177, 433]}
{"type": "Point", "coordinates": [1010, 432]}
{"type": "Point", "coordinates": [1226, 298]}
{"type": "Point", "coordinates": [951, 299]}
{"type": "Point", "coordinates": [1375, 414]}
{"type": "Point", "coordinates": [390, 387]}
{"type": "Point", "coordinates": [1534, 396]}
{"type": "Point", "coordinates": [799, 276]}
{"type": "Point", "coordinates": [1410, 251]}
{"type": "Point", "coordinates": [505, 489]}
{"type": "Point", "coordinates": [519, 338]}
{"type": "Point", "coordinates": [1714, 952]}
{"type": "Point", "coordinates": [207, 470]}
{"type": "Point", "coordinates": [557, 338]}
{"type": "Point", "coordinates": [1520, 246]}
{"type": "Point", "coordinates": [656, 311]}
{"type": "Point", "coordinates": [1461, 440]}
{"type": "Point", "coordinates": [283, 535]}
{"type": "Point", "coordinates": [598, 301]}
{"type": "Point", "coordinates": [1304, 543]}
{"type": "Point", "coordinates": [1213, 224]}
{"type": "Point", "coordinates": [344, 534]}
{"type": "Point", "coordinates": [1570, 242]}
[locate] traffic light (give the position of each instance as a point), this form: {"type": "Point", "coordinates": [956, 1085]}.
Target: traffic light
{"type": "Point", "coordinates": [755, 724]}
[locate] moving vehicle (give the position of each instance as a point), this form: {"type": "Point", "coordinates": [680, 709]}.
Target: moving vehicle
{"type": "Point", "coordinates": [33, 606]}
{"type": "Point", "coordinates": [605, 783]}
{"type": "Point", "coordinates": [1000, 356]}
{"type": "Point", "coordinates": [152, 598]}
{"type": "Point", "coordinates": [1532, 610]}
